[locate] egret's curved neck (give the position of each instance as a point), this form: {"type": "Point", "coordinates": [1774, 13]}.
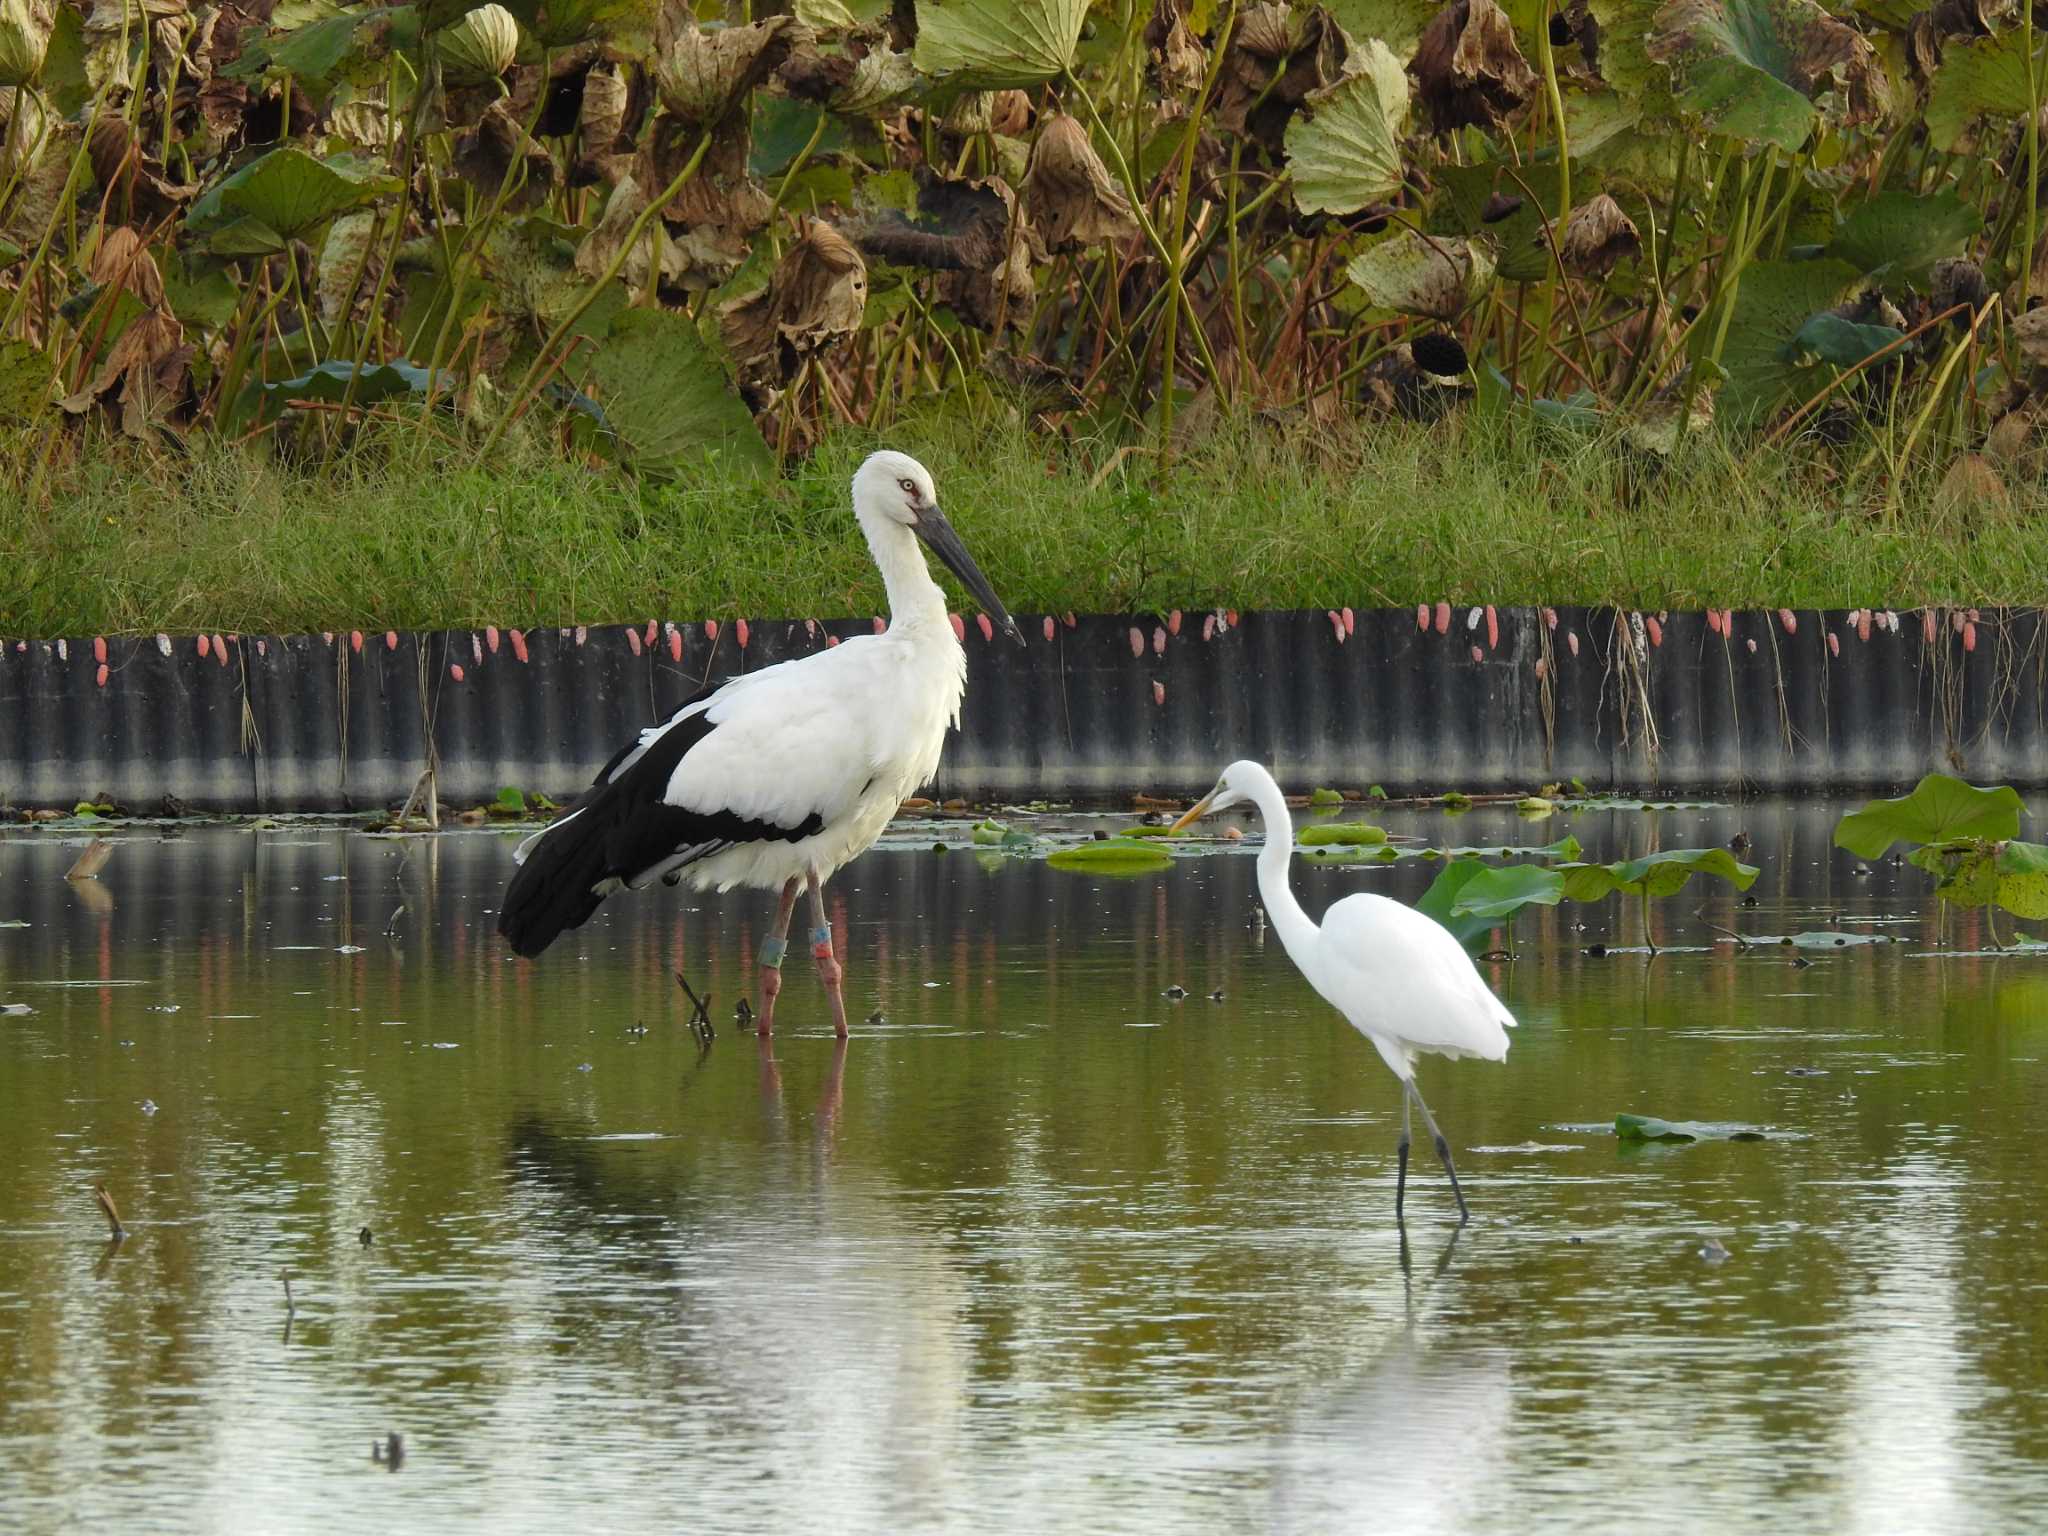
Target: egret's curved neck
{"type": "Point", "coordinates": [915, 600]}
{"type": "Point", "coordinates": [1296, 929]}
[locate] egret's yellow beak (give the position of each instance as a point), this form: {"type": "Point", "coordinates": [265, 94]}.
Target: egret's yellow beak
{"type": "Point", "coordinates": [1195, 813]}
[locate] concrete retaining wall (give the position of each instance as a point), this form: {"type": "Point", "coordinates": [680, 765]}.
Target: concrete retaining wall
{"type": "Point", "coordinates": [1417, 700]}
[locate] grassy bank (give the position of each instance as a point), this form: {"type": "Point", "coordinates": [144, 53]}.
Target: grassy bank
{"type": "Point", "coordinates": [1248, 518]}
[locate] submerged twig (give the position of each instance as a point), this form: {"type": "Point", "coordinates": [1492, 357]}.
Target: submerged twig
{"type": "Point", "coordinates": [115, 1231]}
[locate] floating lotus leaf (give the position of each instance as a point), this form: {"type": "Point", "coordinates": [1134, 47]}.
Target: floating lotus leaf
{"type": "Point", "coordinates": [1468, 69]}
{"type": "Point", "coordinates": [667, 399]}
{"type": "Point", "coordinates": [1752, 68]}
{"type": "Point", "coordinates": [1420, 275]}
{"type": "Point", "coordinates": [1346, 153]}
{"type": "Point", "coordinates": [1655, 875]}
{"type": "Point", "coordinates": [1113, 856]}
{"type": "Point", "coordinates": [1940, 809]}
{"type": "Point", "coordinates": [1071, 196]}
{"type": "Point", "coordinates": [1987, 78]}
{"type": "Point", "coordinates": [479, 47]}
{"type": "Point", "coordinates": [1651, 1128]}
{"type": "Point", "coordinates": [986, 45]}
{"type": "Point", "coordinates": [24, 39]}
{"type": "Point", "coordinates": [1904, 233]}
{"type": "Point", "coordinates": [1596, 236]}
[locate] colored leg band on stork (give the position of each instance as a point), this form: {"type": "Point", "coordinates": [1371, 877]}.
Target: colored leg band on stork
{"type": "Point", "coordinates": [821, 943]}
{"type": "Point", "coordinates": [772, 951]}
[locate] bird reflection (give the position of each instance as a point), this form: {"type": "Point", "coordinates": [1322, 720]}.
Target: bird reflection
{"type": "Point", "coordinates": [1413, 1442]}
{"type": "Point", "coordinates": [825, 1129]}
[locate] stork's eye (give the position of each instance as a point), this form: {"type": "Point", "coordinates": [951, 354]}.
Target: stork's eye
{"type": "Point", "coordinates": [908, 485]}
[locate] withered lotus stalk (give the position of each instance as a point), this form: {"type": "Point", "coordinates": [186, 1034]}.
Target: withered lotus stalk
{"type": "Point", "coordinates": [1468, 68]}
{"type": "Point", "coordinates": [1072, 198]}
{"type": "Point", "coordinates": [1596, 236]}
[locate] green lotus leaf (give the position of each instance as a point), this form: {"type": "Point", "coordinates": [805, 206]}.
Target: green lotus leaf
{"type": "Point", "coordinates": [1775, 299]}
{"type": "Point", "coordinates": [1113, 856]}
{"type": "Point", "coordinates": [559, 23]}
{"type": "Point", "coordinates": [667, 398]}
{"type": "Point", "coordinates": [1347, 833]}
{"type": "Point", "coordinates": [1656, 874]}
{"type": "Point", "coordinates": [1940, 809]}
{"type": "Point", "coordinates": [1983, 78]}
{"type": "Point", "coordinates": [1752, 68]}
{"type": "Point", "coordinates": [1841, 343]}
{"type": "Point", "coordinates": [1471, 898]}
{"type": "Point", "coordinates": [1899, 232]}
{"type": "Point", "coordinates": [991, 45]}
{"type": "Point", "coordinates": [1346, 152]}
{"type": "Point", "coordinates": [1420, 275]}
{"type": "Point", "coordinates": [289, 192]}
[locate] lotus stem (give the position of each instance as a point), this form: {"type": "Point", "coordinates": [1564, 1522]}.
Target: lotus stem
{"type": "Point", "coordinates": [532, 379]}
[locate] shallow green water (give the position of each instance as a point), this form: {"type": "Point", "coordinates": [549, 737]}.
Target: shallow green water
{"type": "Point", "coordinates": [1045, 1249]}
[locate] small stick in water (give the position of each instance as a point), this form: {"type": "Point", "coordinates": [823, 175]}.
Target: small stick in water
{"type": "Point", "coordinates": [92, 861]}
{"type": "Point", "coordinates": [115, 1231]}
{"type": "Point", "coordinates": [289, 1309]}
{"type": "Point", "coordinates": [390, 1452]}
{"type": "Point", "coordinates": [702, 1017]}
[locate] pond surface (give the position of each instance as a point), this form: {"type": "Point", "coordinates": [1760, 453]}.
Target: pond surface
{"type": "Point", "coordinates": [1042, 1248]}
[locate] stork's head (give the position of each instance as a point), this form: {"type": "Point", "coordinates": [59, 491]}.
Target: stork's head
{"type": "Point", "coordinates": [893, 489]}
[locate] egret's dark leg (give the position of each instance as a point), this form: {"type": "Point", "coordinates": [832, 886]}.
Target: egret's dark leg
{"type": "Point", "coordinates": [1443, 1150]}
{"type": "Point", "coordinates": [821, 950]}
{"type": "Point", "coordinates": [1401, 1164]}
{"type": "Point", "coordinates": [772, 949]}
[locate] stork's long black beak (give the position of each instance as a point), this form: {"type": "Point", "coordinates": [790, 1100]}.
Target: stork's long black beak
{"type": "Point", "coordinates": [938, 534]}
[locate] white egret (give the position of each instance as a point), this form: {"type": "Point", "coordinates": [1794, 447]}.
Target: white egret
{"type": "Point", "coordinates": [777, 778]}
{"type": "Point", "coordinates": [1400, 978]}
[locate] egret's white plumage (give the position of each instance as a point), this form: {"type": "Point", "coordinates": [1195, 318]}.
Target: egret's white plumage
{"type": "Point", "coordinates": [1399, 977]}
{"type": "Point", "coordinates": [779, 777]}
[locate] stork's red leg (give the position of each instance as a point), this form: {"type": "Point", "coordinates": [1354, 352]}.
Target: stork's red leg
{"type": "Point", "coordinates": [771, 955]}
{"type": "Point", "coordinates": [821, 951]}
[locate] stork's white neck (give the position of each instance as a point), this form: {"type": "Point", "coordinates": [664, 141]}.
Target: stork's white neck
{"type": "Point", "coordinates": [915, 600]}
{"type": "Point", "coordinates": [1296, 928]}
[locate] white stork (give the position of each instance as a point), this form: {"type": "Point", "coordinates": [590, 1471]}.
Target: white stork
{"type": "Point", "coordinates": [777, 778]}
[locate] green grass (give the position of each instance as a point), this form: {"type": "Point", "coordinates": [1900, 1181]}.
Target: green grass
{"type": "Point", "coordinates": [1249, 518]}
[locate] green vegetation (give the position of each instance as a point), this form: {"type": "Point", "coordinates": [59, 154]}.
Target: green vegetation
{"type": "Point", "coordinates": [660, 235]}
{"type": "Point", "coordinates": [1969, 841]}
{"type": "Point", "coordinates": [1247, 519]}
